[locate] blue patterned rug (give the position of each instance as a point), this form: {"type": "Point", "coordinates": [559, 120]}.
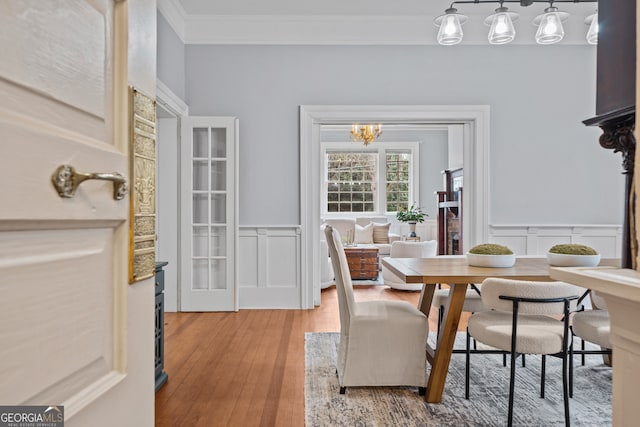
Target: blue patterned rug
{"type": "Point", "coordinates": [487, 406]}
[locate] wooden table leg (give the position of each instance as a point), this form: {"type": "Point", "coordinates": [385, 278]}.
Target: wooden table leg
{"type": "Point", "coordinates": [444, 348]}
{"type": "Point", "coordinates": [426, 296]}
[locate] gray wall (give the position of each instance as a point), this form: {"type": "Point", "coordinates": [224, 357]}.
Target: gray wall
{"type": "Point", "coordinates": [171, 59]}
{"type": "Point", "coordinates": [545, 166]}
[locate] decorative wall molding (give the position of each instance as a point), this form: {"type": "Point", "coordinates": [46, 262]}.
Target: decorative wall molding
{"type": "Point", "coordinates": [536, 239]}
{"type": "Point", "coordinates": [270, 267]}
{"type": "Point", "coordinates": [170, 101]}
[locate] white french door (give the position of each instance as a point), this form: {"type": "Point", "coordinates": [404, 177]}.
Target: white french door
{"type": "Point", "coordinates": [209, 214]}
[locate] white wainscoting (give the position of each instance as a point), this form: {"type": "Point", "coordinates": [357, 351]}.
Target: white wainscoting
{"type": "Point", "coordinates": [269, 264]}
{"type": "Point", "coordinates": [537, 239]}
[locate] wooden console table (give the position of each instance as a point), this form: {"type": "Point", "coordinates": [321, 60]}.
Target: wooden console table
{"type": "Point", "coordinates": [363, 262]}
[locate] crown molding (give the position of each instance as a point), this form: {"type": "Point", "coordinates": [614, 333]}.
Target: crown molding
{"type": "Point", "coordinates": [175, 15]}
{"type": "Point", "coordinates": [340, 30]}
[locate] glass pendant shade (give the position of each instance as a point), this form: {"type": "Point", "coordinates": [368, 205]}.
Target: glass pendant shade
{"type": "Point", "coordinates": [450, 23]}
{"type": "Point", "coordinates": [502, 30]}
{"type": "Point", "coordinates": [550, 28]}
{"type": "Point", "coordinates": [592, 33]}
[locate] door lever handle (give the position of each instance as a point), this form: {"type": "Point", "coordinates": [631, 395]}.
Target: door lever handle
{"type": "Point", "coordinates": [66, 180]}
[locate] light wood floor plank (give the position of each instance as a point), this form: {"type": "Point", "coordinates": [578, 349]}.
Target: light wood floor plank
{"type": "Point", "coordinates": [247, 368]}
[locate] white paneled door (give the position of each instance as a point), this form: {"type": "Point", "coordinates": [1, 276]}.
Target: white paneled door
{"type": "Point", "coordinates": [62, 259]}
{"type": "Point", "coordinates": [209, 210]}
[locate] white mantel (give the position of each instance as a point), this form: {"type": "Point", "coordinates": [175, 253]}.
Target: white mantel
{"type": "Point", "coordinates": [621, 290]}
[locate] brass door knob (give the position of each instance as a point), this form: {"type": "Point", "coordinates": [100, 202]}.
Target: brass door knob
{"type": "Point", "coordinates": [66, 180]}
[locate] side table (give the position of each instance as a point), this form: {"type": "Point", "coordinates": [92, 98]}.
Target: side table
{"type": "Point", "coordinates": [363, 262]}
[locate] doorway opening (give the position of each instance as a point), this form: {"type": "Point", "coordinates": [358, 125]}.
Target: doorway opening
{"type": "Point", "coordinates": [475, 128]}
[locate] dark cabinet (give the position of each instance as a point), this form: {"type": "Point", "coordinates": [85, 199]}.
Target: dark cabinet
{"type": "Point", "coordinates": [449, 203]}
{"type": "Point", "coordinates": [161, 375]}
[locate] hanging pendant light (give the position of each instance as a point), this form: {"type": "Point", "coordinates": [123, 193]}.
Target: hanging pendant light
{"type": "Point", "coordinates": [502, 30]}
{"type": "Point", "coordinates": [592, 33]}
{"type": "Point", "coordinates": [450, 24]}
{"type": "Point", "coordinates": [549, 24]}
{"type": "Point", "coordinates": [365, 133]}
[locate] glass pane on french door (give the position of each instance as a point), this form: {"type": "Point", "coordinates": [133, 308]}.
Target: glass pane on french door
{"type": "Point", "coordinates": [209, 209]}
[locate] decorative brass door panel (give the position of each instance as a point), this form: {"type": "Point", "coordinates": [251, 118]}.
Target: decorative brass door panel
{"type": "Point", "coordinates": [142, 234]}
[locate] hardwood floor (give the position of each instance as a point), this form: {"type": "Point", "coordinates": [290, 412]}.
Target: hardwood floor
{"type": "Point", "coordinates": [246, 368]}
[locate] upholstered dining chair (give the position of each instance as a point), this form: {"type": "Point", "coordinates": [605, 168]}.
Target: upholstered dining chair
{"type": "Point", "coordinates": [526, 318]}
{"type": "Point", "coordinates": [592, 326]}
{"type": "Point", "coordinates": [382, 343]}
{"type": "Point", "coordinates": [472, 302]}
{"type": "Point", "coordinates": [401, 249]}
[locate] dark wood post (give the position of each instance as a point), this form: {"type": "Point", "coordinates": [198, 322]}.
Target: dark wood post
{"type": "Point", "coordinates": [615, 102]}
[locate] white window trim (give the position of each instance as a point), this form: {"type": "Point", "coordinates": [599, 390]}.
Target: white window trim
{"type": "Point", "coordinates": [381, 148]}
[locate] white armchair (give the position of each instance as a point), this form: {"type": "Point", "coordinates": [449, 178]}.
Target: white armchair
{"type": "Point", "coordinates": [400, 249]}
{"type": "Point", "coordinates": [382, 343]}
{"type": "Point", "coordinates": [326, 269]}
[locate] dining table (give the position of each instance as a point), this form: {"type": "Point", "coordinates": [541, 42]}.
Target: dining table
{"type": "Point", "coordinates": [454, 270]}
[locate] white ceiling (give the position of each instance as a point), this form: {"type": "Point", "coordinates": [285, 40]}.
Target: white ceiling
{"type": "Point", "coordinates": [391, 22]}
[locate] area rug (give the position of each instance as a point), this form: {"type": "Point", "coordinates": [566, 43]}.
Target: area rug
{"type": "Point", "coordinates": [488, 403]}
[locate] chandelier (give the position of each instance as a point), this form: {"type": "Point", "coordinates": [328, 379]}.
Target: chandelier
{"type": "Point", "coordinates": [365, 133]}
{"type": "Point", "coordinates": [501, 29]}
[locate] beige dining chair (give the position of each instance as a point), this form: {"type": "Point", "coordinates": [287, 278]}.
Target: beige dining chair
{"type": "Point", "coordinates": [526, 318]}
{"type": "Point", "coordinates": [591, 326]}
{"type": "Point", "coordinates": [382, 343]}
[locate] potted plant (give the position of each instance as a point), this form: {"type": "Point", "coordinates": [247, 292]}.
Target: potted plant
{"type": "Point", "coordinates": [411, 216]}
{"type": "Point", "coordinates": [573, 255]}
{"type": "Point", "coordinates": [491, 255]}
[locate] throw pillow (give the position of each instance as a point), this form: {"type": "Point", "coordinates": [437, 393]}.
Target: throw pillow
{"type": "Point", "coordinates": [364, 234]}
{"type": "Point", "coordinates": [381, 232]}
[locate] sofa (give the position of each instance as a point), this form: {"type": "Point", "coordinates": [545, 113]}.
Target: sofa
{"type": "Point", "coordinates": [366, 230]}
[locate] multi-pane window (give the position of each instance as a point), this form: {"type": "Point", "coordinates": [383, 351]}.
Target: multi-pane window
{"type": "Point", "coordinates": [376, 181]}
{"type": "Point", "coordinates": [351, 182]}
{"type": "Point", "coordinates": [398, 180]}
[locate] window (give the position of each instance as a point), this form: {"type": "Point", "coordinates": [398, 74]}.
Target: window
{"type": "Point", "coordinates": [378, 181]}
{"type": "Point", "coordinates": [398, 180]}
{"type": "Point", "coordinates": [351, 182]}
